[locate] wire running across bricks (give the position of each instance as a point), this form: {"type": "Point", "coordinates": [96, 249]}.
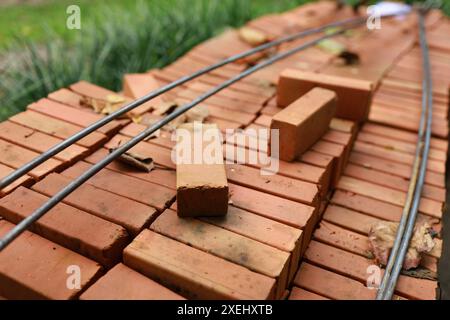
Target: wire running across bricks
{"type": "Point", "coordinates": [112, 223]}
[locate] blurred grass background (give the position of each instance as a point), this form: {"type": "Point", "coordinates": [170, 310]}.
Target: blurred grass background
{"type": "Point", "coordinates": [38, 54]}
{"type": "Point", "coordinates": [116, 37]}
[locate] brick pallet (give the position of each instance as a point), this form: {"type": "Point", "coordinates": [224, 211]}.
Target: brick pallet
{"type": "Point", "coordinates": [303, 229]}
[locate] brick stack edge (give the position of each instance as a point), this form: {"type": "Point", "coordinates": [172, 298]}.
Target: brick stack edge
{"type": "Point", "coordinates": [302, 230]}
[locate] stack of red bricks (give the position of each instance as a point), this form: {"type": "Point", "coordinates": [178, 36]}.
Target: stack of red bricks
{"type": "Point", "coordinates": [121, 232]}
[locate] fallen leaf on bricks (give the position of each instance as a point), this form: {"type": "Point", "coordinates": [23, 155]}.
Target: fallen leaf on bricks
{"type": "Point", "coordinates": [197, 113]}
{"type": "Point", "coordinates": [252, 36]}
{"type": "Point", "coordinates": [331, 46]}
{"type": "Point", "coordinates": [382, 236]}
{"type": "Point", "coordinates": [135, 160]}
{"type": "Point", "coordinates": [109, 105]}
{"type": "Point", "coordinates": [165, 107]}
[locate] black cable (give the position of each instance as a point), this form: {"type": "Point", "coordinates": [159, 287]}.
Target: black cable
{"type": "Point", "coordinates": [83, 133]}
{"type": "Point", "coordinates": [404, 234]}
{"type": "Point", "coordinates": [58, 197]}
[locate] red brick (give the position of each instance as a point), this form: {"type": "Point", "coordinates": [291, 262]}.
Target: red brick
{"type": "Point", "coordinates": [395, 168]}
{"type": "Point", "coordinates": [136, 189]}
{"type": "Point", "coordinates": [228, 93]}
{"type": "Point", "coordinates": [333, 235]}
{"type": "Point", "coordinates": [296, 170]}
{"type": "Point", "coordinates": [284, 187]}
{"type": "Point", "coordinates": [402, 135]}
{"type": "Point", "coordinates": [138, 85]}
{"type": "Point", "coordinates": [87, 89]}
{"type": "Point", "coordinates": [79, 117]}
{"type": "Point", "coordinates": [391, 181]}
{"type": "Point", "coordinates": [202, 188]}
{"type": "Point", "coordinates": [395, 156]}
{"type": "Point", "coordinates": [14, 156]}
{"type": "Point", "coordinates": [25, 180]}
{"type": "Point", "coordinates": [231, 104]}
{"type": "Point", "coordinates": [303, 122]}
{"type": "Point", "coordinates": [57, 128]}
{"type": "Point", "coordinates": [127, 213]}
{"type": "Point", "coordinates": [319, 160]}
{"type": "Point", "coordinates": [301, 294]}
{"type": "Point", "coordinates": [225, 113]}
{"type": "Point", "coordinates": [123, 283]}
{"type": "Point", "coordinates": [337, 151]}
{"type": "Point", "coordinates": [354, 95]}
{"type": "Point", "coordinates": [397, 145]}
{"type": "Point", "coordinates": [336, 234]}
{"type": "Point", "coordinates": [343, 125]}
{"type": "Point", "coordinates": [267, 231]}
{"type": "Point", "coordinates": [160, 155]}
{"type": "Point", "coordinates": [38, 141]}
{"type": "Point", "coordinates": [355, 267]}
{"type": "Point", "coordinates": [275, 208]}
{"type": "Point", "coordinates": [192, 272]}
{"type": "Point", "coordinates": [404, 121]}
{"type": "Point", "coordinates": [426, 206]}
{"type": "Point", "coordinates": [331, 285]}
{"type": "Point", "coordinates": [360, 223]}
{"type": "Point", "coordinates": [162, 176]}
{"type": "Point", "coordinates": [230, 246]}
{"type": "Point", "coordinates": [67, 97]}
{"type": "Point", "coordinates": [239, 86]}
{"type": "Point", "coordinates": [32, 267]}
{"type": "Point", "coordinates": [74, 229]}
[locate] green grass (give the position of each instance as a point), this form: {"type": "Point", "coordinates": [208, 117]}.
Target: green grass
{"type": "Point", "coordinates": [117, 37]}
{"type": "Point", "coordinates": [128, 36]}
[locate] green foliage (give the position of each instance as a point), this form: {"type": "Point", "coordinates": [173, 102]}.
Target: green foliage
{"type": "Point", "coordinates": [116, 39]}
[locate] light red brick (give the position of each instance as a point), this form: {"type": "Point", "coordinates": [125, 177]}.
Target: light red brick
{"type": "Point", "coordinates": [202, 188]}
{"type": "Point", "coordinates": [131, 215]}
{"type": "Point", "coordinates": [123, 283]}
{"type": "Point", "coordinates": [228, 245]}
{"type": "Point", "coordinates": [193, 273]}
{"type": "Point", "coordinates": [74, 229]}
{"type": "Point", "coordinates": [354, 95]}
{"type": "Point", "coordinates": [32, 267]}
{"type": "Point", "coordinates": [303, 122]}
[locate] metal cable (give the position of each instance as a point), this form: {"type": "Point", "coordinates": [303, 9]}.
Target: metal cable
{"type": "Point", "coordinates": [100, 123]}
{"type": "Point", "coordinates": [25, 223]}
{"type": "Point", "coordinates": [408, 219]}
{"type": "Point", "coordinates": [58, 197]}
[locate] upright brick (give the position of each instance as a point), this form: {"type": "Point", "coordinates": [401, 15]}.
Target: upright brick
{"type": "Point", "coordinates": [202, 187]}
{"type": "Point", "coordinates": [123, 283]}
{"type": "Point", "coordinates": [32, 267]}
{"type": "Point", "coordinates": [354, 95]}
{"type": "Point", "coordinates": [303, 122]}
{"type": "Point", "coordinates": [193, 273]}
